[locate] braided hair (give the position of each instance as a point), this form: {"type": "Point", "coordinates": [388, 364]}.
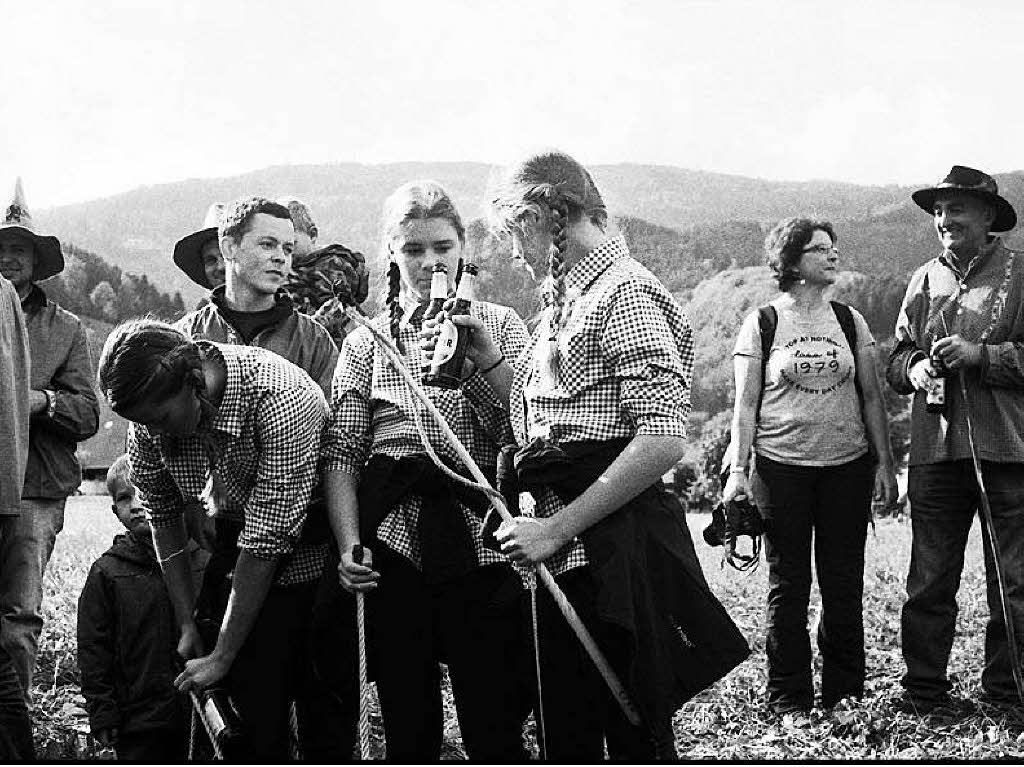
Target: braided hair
{"type": "Point", "coordinates": [147, 360]}
{"type": "Point", "coordinates": [555, 191]}
{"type": "Point", "coordinates": [412, 201]}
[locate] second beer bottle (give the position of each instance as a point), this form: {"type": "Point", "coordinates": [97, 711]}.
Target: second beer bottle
{"type": "Point", "coordinates": [450, 351]}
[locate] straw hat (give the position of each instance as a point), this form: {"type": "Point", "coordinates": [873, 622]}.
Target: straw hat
{"type": "Point", "coordinates": [49, 259]}
{"type": "Point", "coordinates": [188, 250]}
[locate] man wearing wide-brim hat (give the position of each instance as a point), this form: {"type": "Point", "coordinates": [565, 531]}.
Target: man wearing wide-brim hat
{"type": "Point", "coordinates": [962, 322]}
{"type": "Point", "coordinates": [63, 412]}
{"type": "Point", "coordinates": [198, 254]}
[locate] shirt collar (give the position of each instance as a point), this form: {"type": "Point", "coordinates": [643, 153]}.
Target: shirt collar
{"type": "Point", "coordinates": [949, 260]}
{"type": "Point", "coordinates": [592, 265]}
{"type": "Point", "coordinates": [229, 416]}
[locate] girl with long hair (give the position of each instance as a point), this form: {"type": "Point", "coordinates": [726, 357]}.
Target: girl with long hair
{"type": "Point", "coordinates": [433, 592]}
{"type": "Point", "coordinates": [599, 400]}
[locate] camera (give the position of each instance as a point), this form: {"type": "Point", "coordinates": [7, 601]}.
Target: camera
{"type": "Point", "coordinates": [740, 517]}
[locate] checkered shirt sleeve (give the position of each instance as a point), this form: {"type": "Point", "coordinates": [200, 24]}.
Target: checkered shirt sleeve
{"type": "Point", "coordinates": [261, 451]}
{"type": "Point", "coordinates": [372, 413]}
{"type": "Point", "coordinates": [626, 365]}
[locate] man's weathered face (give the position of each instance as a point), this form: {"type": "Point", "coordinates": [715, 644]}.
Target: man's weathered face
{"type": "Point", "coordinates": [17, 258]}
{"type": "Point", "coordinates": [261, 260]}
{"type": "Point", "coordinates": [213, 263]}
{"type": "Point", "coordinates": [962, 222]}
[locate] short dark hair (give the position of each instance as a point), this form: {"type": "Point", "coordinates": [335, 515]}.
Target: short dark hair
{"type": "Point", "coordinates": [785, 243]}
{"type": "Point", "coordinates": [237, 215]}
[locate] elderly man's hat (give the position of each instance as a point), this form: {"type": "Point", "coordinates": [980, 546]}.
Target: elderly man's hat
{"type": "Point", "coordinates": [49, 259]}
{"type": "Point", "coordinates": [188, 254]}
{"type": "Point", "coordinates": [975, 183]}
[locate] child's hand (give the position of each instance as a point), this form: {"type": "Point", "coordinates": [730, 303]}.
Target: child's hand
{"type": "Point", "coordinates": [107, 737]}
{"type": "Point", "coordinates": [356, 578]}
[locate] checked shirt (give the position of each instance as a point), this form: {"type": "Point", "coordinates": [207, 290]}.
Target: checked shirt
{"type": "Point", "coordinates": [372, 413]}
{"type": "Point", "coordinates": [262, 450]}
{"type": "Point", "coordinates": [626, 362]}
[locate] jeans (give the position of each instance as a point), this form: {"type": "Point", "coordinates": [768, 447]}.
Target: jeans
{"type": "Point", "coordinates": [829, 505]}
{"type": "Point", "coordinates": [26, 543]}
{"type": "Point", "coordinates": [943, 500]}
{"type": "Point", "coordinates": [15, 727]}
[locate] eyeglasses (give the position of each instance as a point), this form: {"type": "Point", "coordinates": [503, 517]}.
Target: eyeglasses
{"type": "Point", "coordinates": [823, 250]}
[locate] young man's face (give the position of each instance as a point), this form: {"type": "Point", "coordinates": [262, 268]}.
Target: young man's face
{"type": "Point", "coordinates": [177, 416]}
{"type": "Point", "coordinates": [17, 259]}
{"type": "Point", "coordinates": [261, 260]}
{"type": "Point", "coordinates": [127, 506]}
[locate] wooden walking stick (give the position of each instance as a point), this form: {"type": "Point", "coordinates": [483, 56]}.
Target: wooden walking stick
{"type": "Point", "coordinates": [364, 682]}
{"type": "Point", "coordinates": [497, 501]}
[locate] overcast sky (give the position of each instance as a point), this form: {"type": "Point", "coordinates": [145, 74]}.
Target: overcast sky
{"type": "Point", "coordinates": [99, 97]}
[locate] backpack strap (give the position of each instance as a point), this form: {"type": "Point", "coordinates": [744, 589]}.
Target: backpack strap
{"type": "Point", "coordinates": [767, 322]}
{"type": "Point", "coordinates": [845, 318]}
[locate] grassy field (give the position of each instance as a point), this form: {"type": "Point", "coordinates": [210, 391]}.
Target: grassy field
{"type": "Point", "coordinates": [726, 722]}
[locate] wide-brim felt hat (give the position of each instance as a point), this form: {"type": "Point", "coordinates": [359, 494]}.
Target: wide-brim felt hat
{"type": "Point", "coordinates": [188, 251]}
{"type": "Point", "coordinates": [49, 260]}
{"type": "Point", "coordinates": [973, 182]}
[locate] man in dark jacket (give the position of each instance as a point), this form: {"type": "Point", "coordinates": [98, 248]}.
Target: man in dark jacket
{"type": "Point", "coordinates": [15, 729]}
{"type": "Point", "coordinates": [127, 640]}
{"type": "Point", "coordinates": [64, 411]}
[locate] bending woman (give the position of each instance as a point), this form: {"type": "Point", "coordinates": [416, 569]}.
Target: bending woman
{"type": "Point", "coordinates": [599, 402]}
{"type": "Point", "coordinates": [811, 410]}
{"type": "Point", "coordinates": [434, 593]}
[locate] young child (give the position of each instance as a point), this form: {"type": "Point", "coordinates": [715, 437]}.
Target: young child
{"type": "Point", "coordinates": [126, 640]}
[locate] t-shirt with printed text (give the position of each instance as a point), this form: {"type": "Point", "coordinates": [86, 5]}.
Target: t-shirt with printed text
{"type": "Point", "coordinates": [810, 413]}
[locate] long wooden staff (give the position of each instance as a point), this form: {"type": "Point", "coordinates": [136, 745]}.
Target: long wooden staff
{"type": "Point", "coordinates": [388, 347]}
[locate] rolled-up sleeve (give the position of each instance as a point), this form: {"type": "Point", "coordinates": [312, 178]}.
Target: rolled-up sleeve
{"type": "Point", "coordinates": [649, 343]}
{"type": "Point", "coordinates": [347, 439]}
{"type": "Point", "coordinates": [149, 474]}
{"type": "Point", "coordinates": [288, 429]}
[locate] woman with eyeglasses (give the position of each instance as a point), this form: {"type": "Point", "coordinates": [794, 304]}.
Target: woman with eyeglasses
{"type": "Point", "coordinates": [809, 405]}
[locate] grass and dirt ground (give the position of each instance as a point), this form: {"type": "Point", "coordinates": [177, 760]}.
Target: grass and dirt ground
{"type": "Point", "coordinates": [729, 721]}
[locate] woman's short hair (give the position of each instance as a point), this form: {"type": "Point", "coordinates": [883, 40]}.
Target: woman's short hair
{"type": "Point", "coordinates": [785, 243]}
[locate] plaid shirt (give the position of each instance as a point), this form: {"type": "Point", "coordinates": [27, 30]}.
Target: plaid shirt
{"type": "Point", "coordinates": [261, 450]}
{"type": "Point", "coordinates": [983, 304]}
{"type": "Point", "coordinates": [371, 414]}
{"type": "Point", "coordinates": [626, 360]}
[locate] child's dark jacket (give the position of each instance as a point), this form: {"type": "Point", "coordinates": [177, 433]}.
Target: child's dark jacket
{"type": "Point", "coordinates": [127, 642]}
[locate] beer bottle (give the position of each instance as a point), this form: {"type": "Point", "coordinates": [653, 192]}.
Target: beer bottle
{"type": "Point", "coordinates": [221, 719]}
{"type": "Point", "coordinates": [450, 351]}
{"type": "Point", "coordinates": [935, 398]}
{"type": "Point", "coordinates": [438, 291]}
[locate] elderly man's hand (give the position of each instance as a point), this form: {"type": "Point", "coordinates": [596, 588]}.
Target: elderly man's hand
{"type": "Point", "coordinates": [956, 352]}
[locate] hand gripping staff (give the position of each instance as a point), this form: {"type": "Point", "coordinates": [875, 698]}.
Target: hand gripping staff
{"type": "Point", "coordinates": [993, 543]}
{"type": "Point", "coordinates": [497, 501]}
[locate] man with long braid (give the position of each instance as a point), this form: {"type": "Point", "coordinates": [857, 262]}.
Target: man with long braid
{"type": "Point", "coordinates": [251, 422]}
{"type": "Point", "coordinates": [599, 400]}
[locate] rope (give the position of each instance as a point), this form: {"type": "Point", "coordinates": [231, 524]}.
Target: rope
{"type": "Point", "coordinates": [542, 734]}
{"type": "Point", "coordinates": [498, 502]}
{"type": "Point", "coordinates": [993, 542]}
{"type": "Point", "coordinates": [364, 682]}
{"type": "Point", "coordinates": [197, 713]}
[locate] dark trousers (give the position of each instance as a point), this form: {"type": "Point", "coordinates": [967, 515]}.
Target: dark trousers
{"type": "Point", "coordinates": [827, 507]}
{"type": "Point", "coordinates": [473, 624]}
{"type": "Point", "coordinates": [15, 727]}
{"type": "Point", "coordinates": [165, 746]}
{"type": "Point", "coordinates": [580, 714]}
{"type": "Point", "coordinates": [943, 500]}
